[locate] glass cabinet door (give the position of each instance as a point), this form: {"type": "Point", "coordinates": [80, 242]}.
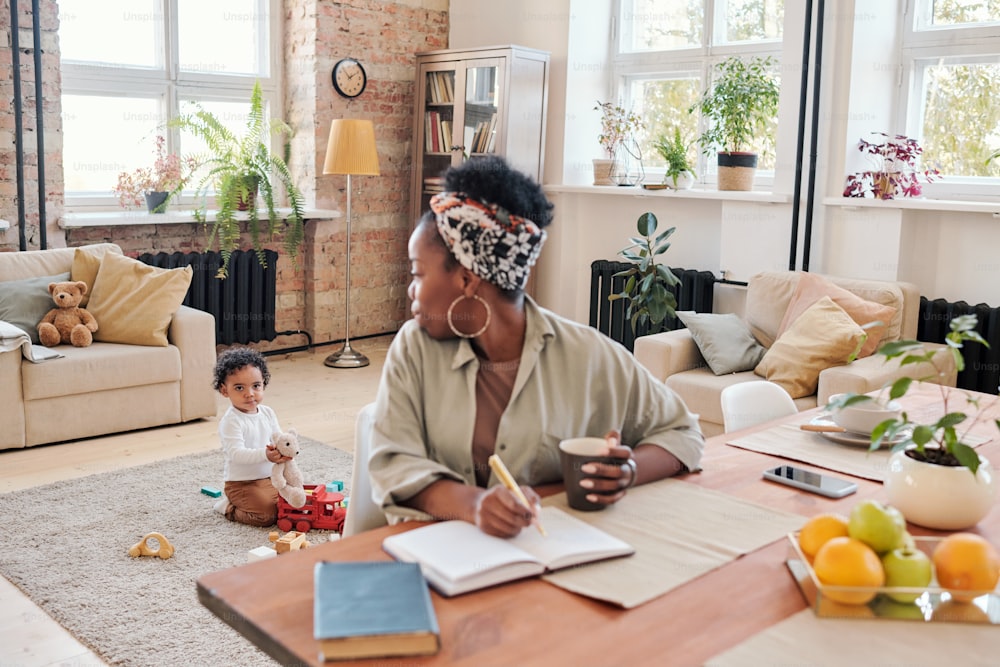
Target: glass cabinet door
{"type": "Point", "coordinates": [439, 146]}
{"type": "Point", "coordinates": [480, 118]}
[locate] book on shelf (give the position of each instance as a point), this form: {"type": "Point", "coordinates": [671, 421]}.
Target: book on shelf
{"type": "Point", "coordinates": [457, 557]}
{"type": "Point", "coordinates": [372, 609]}
{"type": "Point", "coordinates": [491, 134]}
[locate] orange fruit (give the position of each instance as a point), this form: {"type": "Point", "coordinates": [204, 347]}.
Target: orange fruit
{"type": "Point", "coordinates": [818, 530]}
{"type": "Point", "coordinates": [845, 561]}
{"type": "Point", "coordinates": [966, 562]}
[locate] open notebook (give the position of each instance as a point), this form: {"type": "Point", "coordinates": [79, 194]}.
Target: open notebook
{"type": "Point", "coordinates": [456, 557]}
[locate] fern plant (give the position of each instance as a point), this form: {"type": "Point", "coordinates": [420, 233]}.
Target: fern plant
{"type": "Point", "coordinates": [239, 167]}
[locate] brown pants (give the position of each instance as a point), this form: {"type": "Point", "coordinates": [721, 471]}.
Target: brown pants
{"type": "Point", "coordinates": [253, 502]}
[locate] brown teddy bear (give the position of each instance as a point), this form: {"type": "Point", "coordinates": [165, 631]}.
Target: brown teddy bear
{"type": "Point", "coordinates": [67, 323]}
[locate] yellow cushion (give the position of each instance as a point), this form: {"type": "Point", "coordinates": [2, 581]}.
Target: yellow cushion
{"type": "Point", "coordinates": [822, 337]}
{"type": "Point", "coordinates": [86, 262]}
{"type": "Point", "coordinates": [812, 287]}
{"type": "Point", "coordinates": [134, 302]}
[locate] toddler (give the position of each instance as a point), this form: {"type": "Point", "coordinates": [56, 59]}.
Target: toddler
{"type": "Point", "coordinates": [245, 430]}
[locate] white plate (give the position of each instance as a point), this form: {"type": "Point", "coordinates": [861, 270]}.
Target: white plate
{"type": "Point", "coordinates": [850, 437]}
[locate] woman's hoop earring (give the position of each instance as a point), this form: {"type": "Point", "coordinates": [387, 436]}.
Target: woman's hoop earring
{"type": "Point", "coordinates": [489, 316]}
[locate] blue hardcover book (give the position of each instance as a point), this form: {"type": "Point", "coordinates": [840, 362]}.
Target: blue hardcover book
{"type": "Point", "coordinates": [373, 609]}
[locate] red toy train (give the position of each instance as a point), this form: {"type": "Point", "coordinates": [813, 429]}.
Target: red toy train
{"type": "Point", "coordinates": [322, 511]}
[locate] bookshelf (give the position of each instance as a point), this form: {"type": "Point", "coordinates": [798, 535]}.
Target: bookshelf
{"type": "Point", "coordinates": [475, 102]}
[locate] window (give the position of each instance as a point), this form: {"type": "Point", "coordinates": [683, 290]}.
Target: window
{"type": "Point", "coordinates": [129, 65]}
{"type": "Point", "coordinates": [951, 50]}
{"type": "Point", "coordinates": [666, 51]}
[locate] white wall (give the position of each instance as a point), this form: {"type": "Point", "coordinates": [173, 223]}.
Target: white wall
{"type": "Point", "coordinates": [948, 254]}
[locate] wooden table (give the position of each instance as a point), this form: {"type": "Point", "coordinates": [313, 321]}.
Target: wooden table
{"type": "Point", "coordinates": [533, 622]}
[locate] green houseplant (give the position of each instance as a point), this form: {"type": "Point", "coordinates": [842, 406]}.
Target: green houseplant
{"type": "Point", "coordinates": [675, 152]}
{"type": "Point", "coordinates": [929, 478]}
{"type": "Point", "coordinates": [239, 167]}
{"type": "Point", "coordinates": [647, 286]}
{"type": "Point", "coordinates": [738, 107]}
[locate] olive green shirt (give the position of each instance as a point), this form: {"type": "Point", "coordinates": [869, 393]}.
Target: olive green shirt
{"type": "Point", "coordinates": [572, 381]}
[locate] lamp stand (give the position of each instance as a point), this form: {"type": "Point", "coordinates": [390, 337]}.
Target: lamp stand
{"type": "Point", "coordinates": [346, 356]}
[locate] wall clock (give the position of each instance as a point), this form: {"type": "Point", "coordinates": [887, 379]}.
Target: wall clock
{"type": "Point", "coordinates": [349, 77]}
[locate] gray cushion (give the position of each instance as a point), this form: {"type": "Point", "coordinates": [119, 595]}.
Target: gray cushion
{"type": "Point", "coordinates": [724, 340]}
{"type": "Point", "coordinates": [25, 302]}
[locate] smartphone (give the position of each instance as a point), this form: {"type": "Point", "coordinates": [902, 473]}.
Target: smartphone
{"type": "Point", "coordinates": [824, 485]}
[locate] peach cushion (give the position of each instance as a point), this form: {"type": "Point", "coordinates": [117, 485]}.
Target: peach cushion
{"type": "Point", "coordinates": [812, 287]}
{"type": "Point", "coordinates": [822, 337]}
{"type": "Point", "coordinates": [86, 264]}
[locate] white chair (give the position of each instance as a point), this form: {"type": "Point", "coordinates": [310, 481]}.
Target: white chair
{"type": "Point", "coordinates": [362, 513]}
{"type": "Point", "coordinates": [749, 403]}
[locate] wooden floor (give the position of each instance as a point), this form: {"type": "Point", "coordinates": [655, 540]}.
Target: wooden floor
{"type": "Point", "coordinates": [320, 402]}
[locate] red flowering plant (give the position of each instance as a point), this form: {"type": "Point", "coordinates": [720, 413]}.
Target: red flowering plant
{"type": "Point", "coordinates": [168, 174]}
{"type": "Point", "coordinates": [896, 173]}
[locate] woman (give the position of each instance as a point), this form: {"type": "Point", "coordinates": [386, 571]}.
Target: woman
{"type": "Point", "coordinates": [482, 369]}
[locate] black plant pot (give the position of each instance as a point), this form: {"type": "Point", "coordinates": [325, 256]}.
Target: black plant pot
{"type": "Point", "coordinates": [156, 202]}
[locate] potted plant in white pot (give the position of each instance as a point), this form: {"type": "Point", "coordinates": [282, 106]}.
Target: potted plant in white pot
{"type": "Point", "coordinates": [679, 174]}
{"type": "Point", "coordinates": [936, 478]}
{"type": "Point", "coordinates": [618, 129]}
{"type": "Point", "coordinates": [648, 286]}
{"type": "Point", "coordinates": [739, 108]}
{"type": "Point", "coordinates": [240, 169]}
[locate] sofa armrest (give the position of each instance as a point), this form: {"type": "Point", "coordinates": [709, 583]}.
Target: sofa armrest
{"type": "Point", "coordinates": [11, 400]}
{"type": "Point", "coordinates": [667, 353]}
{"type": "Point", "coordinates": [193, 333]}
{"type": "Point", "coordinates": [871, 373]}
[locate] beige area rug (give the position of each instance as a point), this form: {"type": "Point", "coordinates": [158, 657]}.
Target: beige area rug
{"type": "Point", "coordinates": [66, 547]}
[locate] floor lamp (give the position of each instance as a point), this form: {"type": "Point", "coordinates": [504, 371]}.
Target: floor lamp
{"type": "Point", "coordinates": [350, 151]}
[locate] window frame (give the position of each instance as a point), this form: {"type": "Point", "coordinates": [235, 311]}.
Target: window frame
{"type": "Point", "coordinates": [168, 83]}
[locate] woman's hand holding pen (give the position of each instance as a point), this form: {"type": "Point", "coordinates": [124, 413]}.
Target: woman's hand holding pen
{"type": "Point", "coordinates": [499, 512]}
{"type": "Point", "coordinates": [607, 482]}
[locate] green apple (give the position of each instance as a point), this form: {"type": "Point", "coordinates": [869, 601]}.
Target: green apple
{"type": "Point", "coordinates": [879, 526]}
{"type": "Point", "coordinates": [909, 568]}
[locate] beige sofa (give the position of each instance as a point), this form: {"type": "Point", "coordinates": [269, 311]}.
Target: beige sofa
{"type": "Point", "coordinates": [106, 387]}
{"type": "Point", "coordinates": [674, 357]}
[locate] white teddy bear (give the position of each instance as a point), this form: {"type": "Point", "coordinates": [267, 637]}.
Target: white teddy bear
{"type": "Point", "coordinates": [286, 477]}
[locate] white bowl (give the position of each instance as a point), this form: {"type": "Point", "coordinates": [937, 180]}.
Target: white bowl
{"type": "Point", "coordinates": [863, 417]}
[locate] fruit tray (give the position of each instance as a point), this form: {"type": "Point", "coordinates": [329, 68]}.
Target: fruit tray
{"type": "Point", "coordinates": [933, 604]}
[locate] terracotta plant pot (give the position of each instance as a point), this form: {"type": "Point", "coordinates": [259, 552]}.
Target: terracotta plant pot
{"type": "Point", "coordinates": [938, 496]}
{"type": "Point", "coordinates": [736, 170]}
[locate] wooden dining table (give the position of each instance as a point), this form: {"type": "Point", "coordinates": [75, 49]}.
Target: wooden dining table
{"type": "Point", "coordinates": [531, 622]}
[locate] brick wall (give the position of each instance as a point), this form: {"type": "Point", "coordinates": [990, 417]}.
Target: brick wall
{"type": "Point", "coordinates": [384, 36]}
{"type": "Point", "coordinates": [51, 125]}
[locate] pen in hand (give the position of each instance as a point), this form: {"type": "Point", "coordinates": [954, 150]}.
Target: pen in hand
{"type": "Point", "coordinates": [508, 481]}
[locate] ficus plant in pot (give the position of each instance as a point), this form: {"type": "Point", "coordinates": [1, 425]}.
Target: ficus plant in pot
{"type": "Point", "coordinates": [739, 108]}
{"type": "Point", "coordinates": [240, 169]}
{"type": "Point", "coordinates": [936, 478]}
{"type": "Point", "coordinates": [648, 283]}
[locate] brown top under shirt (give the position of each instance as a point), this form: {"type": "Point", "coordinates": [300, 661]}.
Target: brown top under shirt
{"type": "Point", "coordinates": [494, 384]}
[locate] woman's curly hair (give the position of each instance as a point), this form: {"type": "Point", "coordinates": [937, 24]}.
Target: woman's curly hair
{"type": "Point", "coordinates": [236, 358]}
{"type": "Point", "coordinates": [491, 180]}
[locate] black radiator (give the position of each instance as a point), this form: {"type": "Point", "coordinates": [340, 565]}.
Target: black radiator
{"type": "Point", "coordinates": [982, 364]}
{"type": "Point", "coordinates": [243, 303]}
{"type": "Point", "coordinates": [608, 317]}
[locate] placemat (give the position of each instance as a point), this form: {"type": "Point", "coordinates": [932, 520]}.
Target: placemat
{"type": "Point", "coordinates": [680, 531]}
{"type": "Point", "coordinates": [804, 638]}
{"type": "Point", "coordinates": [789, 441]}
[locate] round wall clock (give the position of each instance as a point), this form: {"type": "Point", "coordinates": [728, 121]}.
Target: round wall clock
{"type": "Point", "coordinates": [349, 77]}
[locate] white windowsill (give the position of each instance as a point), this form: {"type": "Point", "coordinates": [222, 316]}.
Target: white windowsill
{"type": "Point", "coordinates": [122, 218]}
{"type": "Point", "coordinates": [693, 193]}
{"type": "Point", "coordinates": [916, 203]}
{"type": "Point", "coordinates": [4, 225]}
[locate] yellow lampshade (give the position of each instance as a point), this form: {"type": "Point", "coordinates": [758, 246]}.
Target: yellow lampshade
{"type": "Point", "coordinates": [351, 148]}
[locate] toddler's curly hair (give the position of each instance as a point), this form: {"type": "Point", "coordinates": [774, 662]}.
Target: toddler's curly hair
{"type": "Point", "coordinates": [236, 358]}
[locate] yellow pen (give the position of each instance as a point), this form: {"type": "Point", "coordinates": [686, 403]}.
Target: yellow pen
{"type": "Point", "coordinates": [505, 477]}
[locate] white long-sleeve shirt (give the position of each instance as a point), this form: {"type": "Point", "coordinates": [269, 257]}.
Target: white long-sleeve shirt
{"type": "Point", "coordinates": [245, 439]}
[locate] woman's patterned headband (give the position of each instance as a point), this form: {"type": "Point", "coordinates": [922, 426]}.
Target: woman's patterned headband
{"type": "Point", "coordinates": [487, 240]}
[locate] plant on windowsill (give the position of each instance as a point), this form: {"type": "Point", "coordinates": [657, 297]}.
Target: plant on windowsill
{"type": "Point", "coordinates": [929, 478]}
{"type": "Point", "coordinates": [240, 168]}
{"type": "Point", "coordinates": [675, 152]}
{"type": "Point", "coordinates": [895, 173]}
{"type": "Point", "coordinates": [648, 284]}
{"type": "Point", "coordinates": [738, 108]}
{"type": "Point", "coordinates": [153, 187]}
{"type": "Point", "coordinates": [618, 140]}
